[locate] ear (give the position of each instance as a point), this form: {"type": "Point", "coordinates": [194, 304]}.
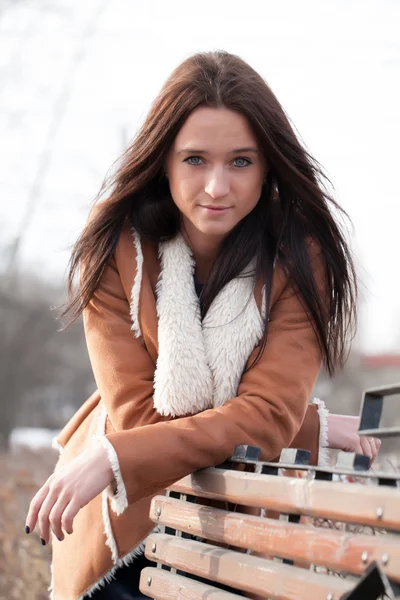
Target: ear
{"type": "Point", "coordinates": [165, 169]}
{"type": "Point", "coordinates": [266, 174]}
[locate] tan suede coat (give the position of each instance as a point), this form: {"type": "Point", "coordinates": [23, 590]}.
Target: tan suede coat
{"type": "Point", "coordinates": [138, 356]}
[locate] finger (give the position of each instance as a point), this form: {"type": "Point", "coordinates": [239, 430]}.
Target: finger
{"type": "Point", "coordinates": [68, 516]}
{"type": "Point", "coordinates": [357, 448]}
{"type": "Point", "coordinates": [34, 508]}
{"type": "Point", "coordinates": [43, 518]}
{"type": "Point", "coordinates": [373, 451]}
{"type": "Point", "coordinates": [365, 446]}
{"type": "Point", "coordinates": [375, 446]}
{"type": "Point", "coordinates": [55, 517]}
{"type": "Point", "coordinates": [376, 441]}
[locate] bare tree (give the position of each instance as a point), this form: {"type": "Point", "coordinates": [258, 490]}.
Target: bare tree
{"type": "Point", "coordinates": [57, 117]}
{"type": "Point", "coordinates": [41, 369]}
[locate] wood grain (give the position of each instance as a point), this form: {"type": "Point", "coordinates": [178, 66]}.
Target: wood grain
{"type": "Point", "coordinates": [242, 571]}
{"type": "Point", "coordinates": [164, 585]}
{"type": "Point", "coordinates": [376, 506]}
{"type": "Point", "coordinates": [337, 550]}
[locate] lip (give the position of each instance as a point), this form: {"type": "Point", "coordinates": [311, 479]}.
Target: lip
{"type": "Point", "coordinates": [215, 208]}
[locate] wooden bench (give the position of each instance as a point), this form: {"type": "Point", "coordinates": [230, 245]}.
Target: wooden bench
{"type": "Point", "coordinates": [314, 533]}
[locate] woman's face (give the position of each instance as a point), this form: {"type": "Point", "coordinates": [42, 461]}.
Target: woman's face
{"type": "Point", "coordinates": [215, 170]}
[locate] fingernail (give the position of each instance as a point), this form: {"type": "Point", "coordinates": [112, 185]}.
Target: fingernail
{"type": "Point", "coordinates": [27, 529]}
{"type": "Point", "coordinates": [70, 532]}
{"type": "Point", "coordinates": [60, 539]}
{"type": "Point", "coordinates": [43, 542]}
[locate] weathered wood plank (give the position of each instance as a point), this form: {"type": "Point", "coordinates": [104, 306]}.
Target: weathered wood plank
{"type": "Point", "coordinates": [242, 571]}
{"type": "Point", "coordinates": [330, 548]}
{"type": "Point", "coordinates": [376, 506]}
{"type": "Point", "coordinates": [164, 585]}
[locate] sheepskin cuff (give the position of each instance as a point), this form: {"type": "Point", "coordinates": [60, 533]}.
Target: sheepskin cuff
{"type": "Point", "coordinates": [116, 491]}
{"type": "Point", "coordinates": [323, 450]}
{"type": "Point", "coordinates": [56, 444]}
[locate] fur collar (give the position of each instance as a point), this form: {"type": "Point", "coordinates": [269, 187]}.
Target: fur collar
{"type": "Point", "coordinates": [199, 364]}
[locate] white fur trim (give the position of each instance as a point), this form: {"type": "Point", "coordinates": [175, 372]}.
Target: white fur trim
{"type": "Point", "coordinates": [263, 304]}
{"type": "Point", "coordinates": [108, 532]}
{"type": "Point", "coordinates": [182, 381]}
{"type": "Point", "coordinates": [110, 539]}
{"type": "Point", "coordinates": [323, 451]}
{"type": "Point", "coordinates": [137, 285]}
{"type": "Point", "coordinates": [124, 561]}
{"type": "Point", "coordinates": [50, 589]}
{"type": "Point", "coordinates": [119, 499]}
{"type": "Point", "coordinates": [200, 364]}
{"type": "Point", "coordinates": [56, 445]}
{"type": "Point", "coordinates": [232, 329]}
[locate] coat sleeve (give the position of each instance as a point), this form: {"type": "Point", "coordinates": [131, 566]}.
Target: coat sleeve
{"type": "Point", "coordinates": [268, 411]}
{"type": "Point", "coordinates": [122, 367]}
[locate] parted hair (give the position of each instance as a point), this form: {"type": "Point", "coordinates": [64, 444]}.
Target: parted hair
{"type": "Point", "coordinates": [294, 206]}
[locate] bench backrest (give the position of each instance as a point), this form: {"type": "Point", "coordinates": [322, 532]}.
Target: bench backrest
{"type": "Point", "coordinates": [284, 531]}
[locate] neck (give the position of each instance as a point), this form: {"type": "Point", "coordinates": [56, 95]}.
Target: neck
{"type": "Point", "coordinates": [205, 250]}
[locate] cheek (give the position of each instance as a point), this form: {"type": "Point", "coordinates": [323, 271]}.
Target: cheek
{"type": "Point", "coordinates": [184, 191]}
{"type": "Point", "coordinates": [249, 195]}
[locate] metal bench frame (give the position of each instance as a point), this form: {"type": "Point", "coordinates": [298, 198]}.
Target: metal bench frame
{"type": "Point", "coordinates": [319, 492]}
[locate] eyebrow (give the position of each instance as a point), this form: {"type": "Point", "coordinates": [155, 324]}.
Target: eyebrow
{"type": "Point", "coordinates": [235, 151]}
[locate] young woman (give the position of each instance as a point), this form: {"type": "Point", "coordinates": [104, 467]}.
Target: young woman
{"type": "Point", "coordinates": [215, 280]}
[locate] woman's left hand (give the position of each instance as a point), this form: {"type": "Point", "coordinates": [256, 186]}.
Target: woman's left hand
{"type": "Point", "coordinates": [342, 435]}
{"type": "Point", "coordinates": [66, 491]}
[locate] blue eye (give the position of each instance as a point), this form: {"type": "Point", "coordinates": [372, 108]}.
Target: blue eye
{"type": "Point", "coordinates": [193, 160]}
{"type": "Point", "coordinates": [244, 162]}
{"type": "Point", "coordinates": [239, 162]}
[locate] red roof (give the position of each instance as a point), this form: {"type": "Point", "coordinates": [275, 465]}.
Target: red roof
{"type": "Point", "coordinates": [377, 361]}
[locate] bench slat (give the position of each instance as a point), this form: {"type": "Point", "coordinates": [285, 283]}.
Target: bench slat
{"type": "Point", "coordinates": [336, 550]}
{"type": "Point", "coordinates": [164, 585]}
{"type": "Point", "coordinates": [242, 571]}
{"type": "Point", "coordinates": [376, 506]}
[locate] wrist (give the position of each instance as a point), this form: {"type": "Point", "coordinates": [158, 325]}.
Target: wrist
{"type": "Point", "coordinates": [101, 458]}
{"type": "Point", "coordinates": [342, 431]}
{"type": "Point", "coordinates": [116, 488]}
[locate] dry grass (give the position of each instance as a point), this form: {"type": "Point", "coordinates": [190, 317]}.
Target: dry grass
{"type": "Point", "coordinates": [24, 562]}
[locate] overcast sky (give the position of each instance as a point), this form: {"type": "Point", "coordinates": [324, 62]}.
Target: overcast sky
{"type": "Point", "coordinates": [78, 76]}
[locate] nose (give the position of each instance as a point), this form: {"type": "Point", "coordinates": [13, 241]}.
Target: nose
{"type": "Point", "coordinates": [217, 184]}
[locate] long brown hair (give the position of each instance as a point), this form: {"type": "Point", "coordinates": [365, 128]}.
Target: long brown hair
{"type": "Point", "coordinates": [294, 204]}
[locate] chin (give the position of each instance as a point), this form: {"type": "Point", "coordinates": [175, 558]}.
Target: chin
{"type": "Point", "coordinates": [214, 229]}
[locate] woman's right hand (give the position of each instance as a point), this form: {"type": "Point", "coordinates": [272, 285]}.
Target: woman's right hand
{"type": "Point", "coordinates": [65, 492]}
{"type": "Point", "coordinates": [342, 435]}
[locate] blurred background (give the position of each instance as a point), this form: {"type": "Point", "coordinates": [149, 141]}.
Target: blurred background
{"type": "Point", "coordinates": [76, 80]}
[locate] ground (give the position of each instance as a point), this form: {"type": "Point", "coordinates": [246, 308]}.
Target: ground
{"type": "Point", "coordinates": [24, 562]}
